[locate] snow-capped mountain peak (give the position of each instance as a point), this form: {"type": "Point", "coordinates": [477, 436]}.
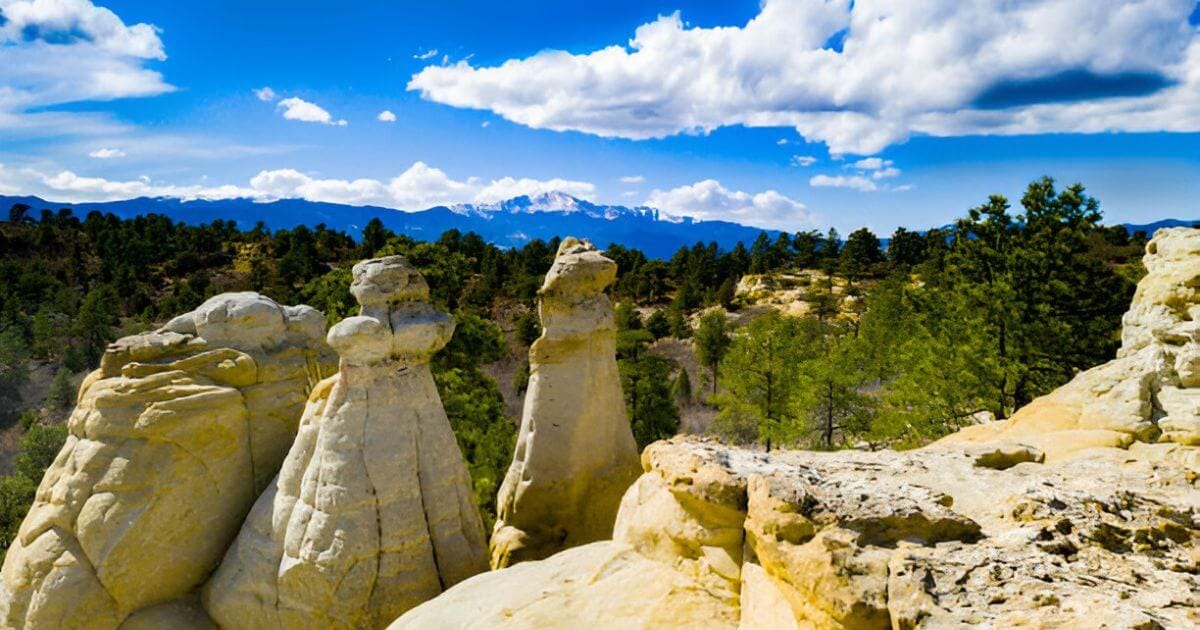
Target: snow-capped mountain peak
{"type": "Point", "coordinates": [560, 203]}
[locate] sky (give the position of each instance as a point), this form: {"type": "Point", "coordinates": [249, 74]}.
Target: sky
{"type": "Point", "coordinates": [787, 114]}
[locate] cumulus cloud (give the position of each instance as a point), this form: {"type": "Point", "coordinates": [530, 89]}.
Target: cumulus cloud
{"type": "Point", "coordinates": [265, 94]}
{"type": "Point", "coordinates": [856, 182]}
{"type": "Point", "coordinates": [509, 187]}
{"type": "Point", "coordinates": [709, 200]}
{"type": "Point", "coordinates": [386, 116]}
{"type": "Point", "coordinates": [632, 179]}
{"type": "Point", "coordinates": [878, 168]}
{"type": "Point", "coordinates": [296, 108]}
{"type": "Point", "coordinates": [106, 154]}
{"type": "Point", "coordinates": [803, 160]}
{"type": "Point", "coordinates": [937, 67]}
{"type": "Point", "coordinates": [54, 52]}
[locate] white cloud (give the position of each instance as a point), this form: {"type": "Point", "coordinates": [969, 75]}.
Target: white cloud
{"type": "Point", "coordinates": [386, 116]}
{"type": "Point", "coordinates": [485, 124]}
{"type": "Point", "coordinates": [781, 141]}
{"type": "Point", "coordinates": [265, 94]}
{"type": "Point", "coordinates": [54, 52]}
{"type": "Point", "coordinates": [871, 164]}
{"type": "Point", "coordinates": [508, 187]}
{"type": "Point", "coordinates": [428, 54]}
{"type": "Point", "coordinates": [904, 68]}
{"type": "Point", "coordinates": [296, 108]}
{"type": "Point", "coordinates": [803, 160]}
{"type": "Point", "coordinates": [106, 154]}
{"type": "Point", "coordinates": [423, 186]}
{"type": "Point", "coordinates": [857, 182]}
{"type": "Point", "coordinates": [709, 200]}
{"type": "Point", "coordinates": [632, 179]}
{"type": "Point", "coordinates": [885, 173]}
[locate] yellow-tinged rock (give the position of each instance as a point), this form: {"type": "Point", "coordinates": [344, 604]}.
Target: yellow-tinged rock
{"type": "Point", "coordinates": [372, 512]}
{"type": "Point", "coordinates": [600, 585]}
{"type": "Point", "coordinates": [575, 453]}
{"type": "Point", "coordinates": [168, 447]}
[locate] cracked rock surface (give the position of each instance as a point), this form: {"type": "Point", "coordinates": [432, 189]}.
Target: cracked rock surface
{"type": "Point", "coordinates": [171, 439]}
{"type": "Point", "coordinates": [372, 512]}
{"type": "Point", "coordinates": [941, 537]}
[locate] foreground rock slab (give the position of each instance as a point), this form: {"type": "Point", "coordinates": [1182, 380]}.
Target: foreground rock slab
{"type": "Point", "coordinates": [372, 512]}
{"type": "Point", "coordinates": [172, 438]}
{"type": "Point", "coordinates": [575, 454]}
{"type": "Point", "coordinates": [716, 536]}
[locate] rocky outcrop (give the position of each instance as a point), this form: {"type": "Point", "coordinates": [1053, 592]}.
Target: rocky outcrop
{"type": "Point", "coordinates": [1150, 392]}
{"type": "Point", "coordinates": [575, 454]}
{"type": "Point", "coordinates": [171, 440]}
{"type": "Point", "coordinates": [372, 512]}
{"type": "Point", "coordinates": [713, 536]}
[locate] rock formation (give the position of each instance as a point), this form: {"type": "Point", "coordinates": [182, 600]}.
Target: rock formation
{"type": "Point", "coordinates": [575, 452]}
{"type": "Point", "coordinates": [172, 439]}
{"type": "Point", "coordinates": [372, 512]}
{"type": "Point", "coordinates": [1150, 392]}
{"type": "Point", "coordinates": [714, 536]}
{"type": "Point", "coordinates": [1081, 511]}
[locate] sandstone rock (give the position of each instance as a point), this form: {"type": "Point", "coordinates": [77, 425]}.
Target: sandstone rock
{"type": "Point", "coordinates": [599, 585]}
{"type": "Point", "coordinates": [1150, 391]}
{"type": "Point", "coordinates": [850, 539]}
{"type": "Point", "coordinates": [575, 454]}
{"type": "Point", "coordinates": [172, 438]}
{"type": "Point", "coordinates": [372, 512]}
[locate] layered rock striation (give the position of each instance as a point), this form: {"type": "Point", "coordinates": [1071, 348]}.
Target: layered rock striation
{"type": "Point", "coordinates": [372, 512]}
{"type": "Point", "coordinates": [171, 440]}
{"type": "Point", "coordinates": [575, 453]}
{"type": "Point", "coordinates": [1150, 392]}
{"type": "Point", "coordinates": [714, 536]}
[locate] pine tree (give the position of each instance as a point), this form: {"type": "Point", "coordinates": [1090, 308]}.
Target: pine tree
{"type": "Point", "coordinates": [711, 342]}
{"type": "Point", "coordinates": [62, 391]}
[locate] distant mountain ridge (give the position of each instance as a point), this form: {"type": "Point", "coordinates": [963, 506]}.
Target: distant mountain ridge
{"type": "Point", "coordinates": [507, 223]}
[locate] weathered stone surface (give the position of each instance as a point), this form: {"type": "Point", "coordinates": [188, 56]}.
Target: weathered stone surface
{"type": "Point", "coordinates": [172, 438]}
{"type": "Point", "coordinates": [939, 537]}
{"type": "Point", "coordinates": [575, 454]}
{"type": "Point", "coordinates": [372, 512]}
{"type": "Point", "coordinates": [1151, 391]}
{"type": "Point", "coordinates": [600, 585]}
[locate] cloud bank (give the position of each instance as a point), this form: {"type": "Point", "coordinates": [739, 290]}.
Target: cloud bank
{"type": "Point", "coordinates": [54, 52]}
{"type": "Point", "coordinates": [860, 76]}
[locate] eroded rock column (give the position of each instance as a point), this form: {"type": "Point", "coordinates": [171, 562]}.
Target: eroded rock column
{"type": "Point", "coordinates": [172, 438]}
{"type": "Point", "coordinates": [575, 454]}
{"type": "Point", "coordinates": [372, 512]}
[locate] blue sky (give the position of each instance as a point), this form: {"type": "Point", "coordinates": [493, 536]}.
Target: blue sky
{"type": "Point", "coordinates": [790, 114]}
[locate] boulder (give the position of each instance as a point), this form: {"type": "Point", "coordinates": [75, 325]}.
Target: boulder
{"type": "Point", "coordinates": [172, 438]}
{"type": "Point", "coordinates": [1149, 392]}
{"type": "Point", "coordinates": [575, 453]}
{"type": "Point", "coordinates": [372, 512]}
{"type": "Point", "coordinates": [722, 537]}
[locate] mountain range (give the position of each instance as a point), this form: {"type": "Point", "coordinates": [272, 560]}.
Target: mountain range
{"type": "Point", "coordinates": [511, 222]}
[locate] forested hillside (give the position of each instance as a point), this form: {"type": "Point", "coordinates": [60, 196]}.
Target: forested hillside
{"type": "Point", "coordinates": [897, 346]}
